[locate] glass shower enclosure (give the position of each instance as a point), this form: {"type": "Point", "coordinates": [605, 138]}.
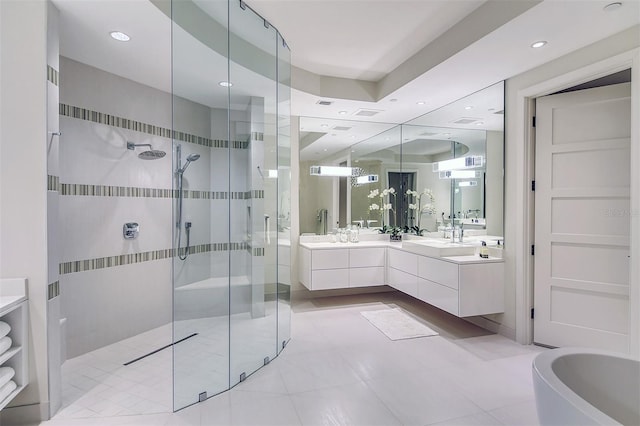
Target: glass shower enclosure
{"type": "Point", "coordinates": [230, 108]}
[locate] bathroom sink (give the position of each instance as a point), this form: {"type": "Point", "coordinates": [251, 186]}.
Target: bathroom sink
{"type": "Point", "coordinates": [440, 248]}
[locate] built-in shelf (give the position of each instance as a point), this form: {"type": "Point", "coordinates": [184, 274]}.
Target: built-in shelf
{"type": "Point", "coordinates": [14, 311]}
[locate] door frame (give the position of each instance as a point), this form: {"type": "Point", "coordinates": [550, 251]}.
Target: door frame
{"type": "Point", "coordinates": [525, 157]}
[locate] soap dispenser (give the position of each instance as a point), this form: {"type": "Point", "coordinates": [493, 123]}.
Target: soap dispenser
{"type": "Point", "coordinates": [484, 251]}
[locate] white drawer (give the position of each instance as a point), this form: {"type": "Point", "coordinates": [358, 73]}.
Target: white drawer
{"type": "Point", "coordinates": [404, 282]}
{"type": "Point", "coordinates": [329, 259]}
{"type": "Point", "coordinates": [329, 278]}
{"type": "Point", "coordinates": [438, 295]}
{"type": "Point", "coordinates": [438, 271]}
{"type": "Point", "coordinates": [361, 257]}
{"type": "Point", "coordinates": [481, 289]}
{"type": "Point", "coordinates": [407, 262]}
{"type": "Point", "coordinates": [366, 277]}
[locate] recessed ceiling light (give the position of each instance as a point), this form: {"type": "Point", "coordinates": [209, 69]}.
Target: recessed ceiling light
{"type": "Point", "coordinates": [468, 107]}
{"type": "Point", "coordinates": [421, 102]}
{"type": "Point", "coordinates": [120, 36]}
{"type": "Point", "coordinates": [538, 44]}
{"type": "Point", "coordinates": [353, 137]}
{"type": "Point", "coordinates": [325, 149]}
{"type": "Point", "coordinates": [342, 112]}
{"type": "Point", "coordinates": [613, 6]}
{"type": "Point", "coordinates": [479, 123]}
{"type": "Point", "coordinates": [324, 125]}
{"type": "Point", "coordinates": [393, 100]}
{"type": "Point", "coordinates": [225, 84]}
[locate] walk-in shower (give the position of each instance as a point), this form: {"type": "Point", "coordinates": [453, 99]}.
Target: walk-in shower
{"type": "Point", "coordinates": [180, 182]}
{"type": "Point", "coordinates": [200, 298]}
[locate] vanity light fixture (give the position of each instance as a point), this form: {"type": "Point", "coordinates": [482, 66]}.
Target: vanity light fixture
{"type": "Point", "coordinates": [225, 84]}
{"type": "Point", "coordinates": [458, 174]}
{"type": "Point", "coordinates": [421, 102]}
{"type": "Point", "coordinates": [360, 180]}
{"type": "Point", "coordinates": [330, 171]}
{"type": "Point", "coordinates": [119, 35]}
{"type": "Point", "coordinates": [459, 163]}
{"type": "Point", "coordinates": [468, 183]}
{"type": "Point", "coordinates": [538, 44]}
{"type": "Point", "coordinates": [273, 174]}
{"type": "Point", "coordinates": [468, 107]}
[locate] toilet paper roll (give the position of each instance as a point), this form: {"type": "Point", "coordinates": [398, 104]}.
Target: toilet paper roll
{"type": "Point", "coordinates": [5, 344]}
{"type": "Point", "coordinates": [6, 374]}
{"type": "Point", "coordinates": [4, 329]}
{"type": "Point", "coordinates": [6, 390]}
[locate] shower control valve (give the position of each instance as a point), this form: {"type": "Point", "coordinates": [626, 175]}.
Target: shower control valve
{"type": "Point", "coordinates": [130, 230]}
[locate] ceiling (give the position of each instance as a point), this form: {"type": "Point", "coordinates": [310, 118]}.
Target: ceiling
{"type": "Point", "coordinates": [381, 55]}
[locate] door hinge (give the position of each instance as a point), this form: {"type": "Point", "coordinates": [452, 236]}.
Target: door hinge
{"type": "Point", "coordinates": [532, 313]}
{"type": "Point", "coordinates": [533, 185]}
{"type": "Point", "coordinates": [533, 250]}
{"type": "Point", "coordinates": [533, 121]}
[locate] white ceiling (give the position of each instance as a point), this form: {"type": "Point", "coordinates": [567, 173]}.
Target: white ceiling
{"type": "Point", "coordinates": [388, 45]}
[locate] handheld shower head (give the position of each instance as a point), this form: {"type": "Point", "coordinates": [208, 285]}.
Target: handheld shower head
{"type": "Point", "coordinates": [190, 159]}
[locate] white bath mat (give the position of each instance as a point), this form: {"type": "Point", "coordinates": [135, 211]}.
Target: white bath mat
{"type": "Point", "coordinates": [397, 324]}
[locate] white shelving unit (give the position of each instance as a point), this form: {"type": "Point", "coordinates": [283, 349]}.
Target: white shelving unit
{"type": "Point", "coordinates": [14, 311]}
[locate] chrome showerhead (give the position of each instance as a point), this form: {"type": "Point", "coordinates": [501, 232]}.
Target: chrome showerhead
{"type": "Point", "coordinates": [151, 154]}
{"type": "Point", "coordinates": [191, 158]}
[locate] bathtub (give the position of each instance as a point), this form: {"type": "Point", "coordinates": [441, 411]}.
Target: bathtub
{"type": "Point", "coordinates": [575, 386]}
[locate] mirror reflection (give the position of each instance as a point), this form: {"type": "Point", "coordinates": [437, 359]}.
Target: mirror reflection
{"type": "Point", "coordinates": [441, 170]}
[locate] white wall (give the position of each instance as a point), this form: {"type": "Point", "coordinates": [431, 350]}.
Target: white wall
{"type": "Point", "coordinates": [23, 180]}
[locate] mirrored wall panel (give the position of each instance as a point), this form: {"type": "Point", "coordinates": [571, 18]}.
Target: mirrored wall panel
{"type": "Point", "coordinates": [438, 171]}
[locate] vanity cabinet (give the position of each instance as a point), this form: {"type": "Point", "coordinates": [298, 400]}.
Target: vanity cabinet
{"type": "Point", "coordinates": [333, 267]}
{"type": "Point", "coordinates": [14, 312]}
{"type": "Point", "coordinates": [461, 285]}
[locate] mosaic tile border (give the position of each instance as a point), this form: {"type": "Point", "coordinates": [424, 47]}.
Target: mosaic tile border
{"type": "Point", "coordinates": [85, 190]}
{"type": "Point", "coordinates": [138, 126]}
{"type": "Point", "coordinates": [147, 256]}
{"type": "Point", "coordinates": [257, 136]}
{"type": "Point", "coordinates": [53, 183]}
{"type": "Point", "coordinates": [53, 290]}
{"type": "Point", "coordinates": [53, 76]}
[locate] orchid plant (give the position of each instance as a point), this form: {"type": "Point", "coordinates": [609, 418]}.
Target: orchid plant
{"type": "Point", "coordinates": [384, 205]}
{"type": "Point", "coordinates": [429, 207]}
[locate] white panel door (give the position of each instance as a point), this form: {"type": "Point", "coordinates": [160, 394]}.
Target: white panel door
{"type": "Point", "coordinates": [582, 217]}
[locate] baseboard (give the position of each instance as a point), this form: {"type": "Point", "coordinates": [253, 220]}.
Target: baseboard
{"type": "Point", "coordinates": [24, 414]}
{"type": "Point", "coordinates": [304, 294]}
{"type": "Point", "coordinates": [492, 326]}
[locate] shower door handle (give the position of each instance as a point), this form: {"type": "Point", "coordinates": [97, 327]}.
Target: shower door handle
{"type": "Point", "coordinates": [267, 237]}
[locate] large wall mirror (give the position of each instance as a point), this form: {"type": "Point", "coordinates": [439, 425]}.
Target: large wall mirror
{"type": "Point", "coordinates": [445, 168]}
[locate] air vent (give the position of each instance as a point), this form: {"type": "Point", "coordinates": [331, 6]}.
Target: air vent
{"type": "Point", "coordinates": [342, 128]}
{"type": "Point", "coordinates": [366, 112]}
{"type": "Point", "coordinates": [325, 103]}
{"type": "Point", "coordinates": [501, 112]}
{"type": "Point", "coordinates": [466, 120]}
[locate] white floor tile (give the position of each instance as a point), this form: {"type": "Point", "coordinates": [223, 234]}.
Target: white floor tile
{"type": "Point", "coordinates": [337, 369]}
{"type": "Point", "coordinates": [352, 404]}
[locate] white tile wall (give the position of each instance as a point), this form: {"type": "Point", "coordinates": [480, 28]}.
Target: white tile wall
{"type": "Point", "coordinates": [106, 305]}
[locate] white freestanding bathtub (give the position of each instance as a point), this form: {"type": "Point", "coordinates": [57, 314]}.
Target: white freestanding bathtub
{"type": "Point", "coordinates": [575, 386]}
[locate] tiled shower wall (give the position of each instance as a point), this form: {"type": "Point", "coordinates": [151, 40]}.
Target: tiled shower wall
{"type": "Point", "coordinates": [114, 288]}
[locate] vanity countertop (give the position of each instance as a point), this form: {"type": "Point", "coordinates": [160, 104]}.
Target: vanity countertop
{"type": "Point", "coordinates": [466, 258]}
{"type": "Point", "coordinates": [360, 244]}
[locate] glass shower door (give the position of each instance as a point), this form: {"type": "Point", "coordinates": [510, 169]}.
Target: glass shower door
{"type": "Point", "coordinates": [202, 240]}
{"type": "Point", "coordinates": [254, 166]}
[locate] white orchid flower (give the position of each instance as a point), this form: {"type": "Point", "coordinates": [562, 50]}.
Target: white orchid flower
{"type": "Point", "coordinates": [392, 190]}
{"type": "Point", "coordinates": [385, 192]}
{"type": "Point", "coordinates": [374, 207]}
{"type": "Point", "coordinates": [387, 206]}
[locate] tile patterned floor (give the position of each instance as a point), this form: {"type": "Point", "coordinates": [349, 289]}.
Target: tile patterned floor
{"type": "Point", "coordinates": [338, 369]}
